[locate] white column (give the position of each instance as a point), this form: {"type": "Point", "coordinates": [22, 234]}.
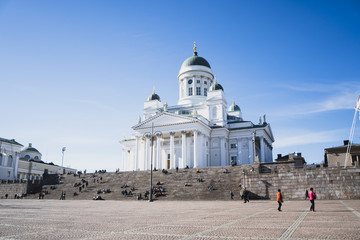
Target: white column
{"type": "Point", "coordinates": [123, 159]}
{"type": "Point", "coordinates": [158, 152]}
{"type": "Point", "coordinates": [137, 154]}
{"type": "Point", "coordinates": [251, 151]}
{"type": "Point", "coordinates": [195, 149]}
{"type": "Point", "coordinates": [222, 151]}
{"type": "Point", "coordinates": [147, 165]}
{"type": "Point", "coordinates": [183, 149]}
{"type": "Point", "coordinates": [201, 150]}
{"type": "Point", "coordinates": [262, 150]}
{"type": "Point", "coordinates": [172, 152]}
{"type": "Point", "coordinates": [16, 159]}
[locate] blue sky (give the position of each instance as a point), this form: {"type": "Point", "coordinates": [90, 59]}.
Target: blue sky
{"type": "Point", "coordinates": [76, 73]}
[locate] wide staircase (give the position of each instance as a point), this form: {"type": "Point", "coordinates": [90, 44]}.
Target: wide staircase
{"type": "Point", "coordinates": [182, 184]}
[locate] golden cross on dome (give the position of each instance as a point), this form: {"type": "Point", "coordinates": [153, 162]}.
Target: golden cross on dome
{"type": "Point", "coordinates": [195, 48]}
{"type": "Point", "coordinates": [153, 89]}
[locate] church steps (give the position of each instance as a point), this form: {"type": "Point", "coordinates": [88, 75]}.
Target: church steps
{"type": "Point", "coordinates": [346, 185]}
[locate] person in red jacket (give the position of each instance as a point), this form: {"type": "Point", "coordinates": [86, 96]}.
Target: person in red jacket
{"type": "Point", "coordinates": [312, 197]}
{"type": "Point", "coordinates": [279, 199]}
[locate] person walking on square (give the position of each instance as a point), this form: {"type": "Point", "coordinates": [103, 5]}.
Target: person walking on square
{"type": "Point", "coordinates": [279, 199]}
{"type": "Point", "coordinates": [312, 197]}
{"type": "Point", "coordinates": [306, 194]}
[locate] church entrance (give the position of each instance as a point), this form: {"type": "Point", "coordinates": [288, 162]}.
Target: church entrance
{"type": "Point", "coordinates": [168, 162]}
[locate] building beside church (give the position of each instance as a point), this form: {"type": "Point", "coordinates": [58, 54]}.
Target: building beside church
{"type": "Point", "coordinates": [32, 167]}
{"type": "Point", "coordinates": [336, 156]}
{"type": "Point", "coordinates": [25, 164]}
{"type": "Point", "coordinates": [9, 158]}
{"type": "Point", "coordinates": [200, 131]}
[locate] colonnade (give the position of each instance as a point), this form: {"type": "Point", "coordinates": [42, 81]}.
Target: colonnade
{"type": "Point", "coordinates": [168, 150]}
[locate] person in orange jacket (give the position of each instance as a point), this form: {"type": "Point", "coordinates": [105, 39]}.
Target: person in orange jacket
{"type": "Point", "coordinates": [279, 199]}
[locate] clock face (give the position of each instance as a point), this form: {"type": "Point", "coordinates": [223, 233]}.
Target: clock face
{"type": "Point", "coordinates": [190, 81]}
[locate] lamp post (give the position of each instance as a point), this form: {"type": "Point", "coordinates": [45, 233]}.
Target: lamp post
{"type": "Point", "coordinates": [152, 134]}
{"type": "Point", "coordinates": [62, 160]}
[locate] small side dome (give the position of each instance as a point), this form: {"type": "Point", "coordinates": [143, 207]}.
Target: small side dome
{"type": "Point", "coordinates": [234, 107]}
{"type": "Point", "coordinates": [216, 86]}
{"type": "Point", "coordinates": [154, 96]}
{"type": "Point", "coordinates": [30, 148]}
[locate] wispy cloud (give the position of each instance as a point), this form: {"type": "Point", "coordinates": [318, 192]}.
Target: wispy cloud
{"type": "Point", "coordinates": [309, 138]}
{"type": "Point", "coordinates": [321, 87]}
{"type": "Point", "coordinates": [340, 96]}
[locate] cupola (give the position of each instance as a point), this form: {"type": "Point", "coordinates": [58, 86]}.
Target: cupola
{"type": "Point", "coordinates": [216, 86]}
{"type": "Point", "coordinates": [154, 96]}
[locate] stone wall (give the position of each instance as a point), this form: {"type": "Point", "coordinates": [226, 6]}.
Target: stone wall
{"type": "Point", "coordinates": [328, 182]}
{"type": "Point", "coordinates": [11, 189]}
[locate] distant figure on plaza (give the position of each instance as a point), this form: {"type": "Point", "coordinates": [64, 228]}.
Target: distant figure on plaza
{"type": "Point", "coordinates": [279, 199]}
{"type": "Point", "coordinates": [6, 195]}
{"type": "Point", "coordinates": [306, 194]}
{"type": "Point", "coordinates": [312, 197]}
{"type": "Point", "coordinates": [231, 195]}
{"type": "Point", "coordinates": [62, 197]}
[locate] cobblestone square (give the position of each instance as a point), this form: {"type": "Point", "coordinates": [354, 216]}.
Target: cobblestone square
{"type": "Point", "coordinates": [55, 219]}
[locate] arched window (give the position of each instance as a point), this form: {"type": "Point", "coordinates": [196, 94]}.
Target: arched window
{"type": "Point", "coordinates": [27, 156]}
{"type": "Point", "coordinates": [36, 157]}
{"type": "Point", "coordinates": [10, 161]}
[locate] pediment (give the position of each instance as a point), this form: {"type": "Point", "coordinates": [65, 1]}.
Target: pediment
{"type": "Point", "coordinates": [165, 119]}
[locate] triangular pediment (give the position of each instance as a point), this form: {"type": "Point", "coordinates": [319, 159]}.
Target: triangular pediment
{"type": "Point", "coordinates": [165, 119]}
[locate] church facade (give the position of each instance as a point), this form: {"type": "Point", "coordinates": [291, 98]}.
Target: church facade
{"type": "Point", "coordinates": [200, 131]}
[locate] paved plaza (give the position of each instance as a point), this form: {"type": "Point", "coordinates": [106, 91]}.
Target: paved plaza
{"type": "Point", "coordinates": [55, 219]}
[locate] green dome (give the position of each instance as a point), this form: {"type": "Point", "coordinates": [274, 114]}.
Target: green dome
{"type": "Point", "coordinates": [195, 60]}
{"type": "Point", "coordinates": [216, 86]}
{"type": "Point", "coordinates": [234, 108]}
{"type": "Point", "coordinates": [154, 96]}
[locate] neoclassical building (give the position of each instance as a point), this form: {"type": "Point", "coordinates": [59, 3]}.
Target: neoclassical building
{"type": "Point", "coordinates": [9, 158]}
{"type": "Point", "coordinates": [200, 131]}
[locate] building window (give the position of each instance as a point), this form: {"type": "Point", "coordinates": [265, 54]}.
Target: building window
{"type": "Point", "coordinates": [205, 91]}
{"type": "Point", "coordinates": [184, 112]}
{"type": "Point", "coordinates": [198, 81]}
{"type": "Point", "coordinates": [233, 145]}
{"type": "Point", "coordinates": [1, 159]}
{"type": "Point", "coordinates": [10, 161]}
{"type": "Point", "coordinates": [205, 82]}
{"type": "Point", "coordinates": [190, 81]}
{"type": "Point", "coordinates": [36, 157]}
{"type": "Point", "coordinates": [190, 91]}
{"type": "Point", "coordinates": [27, 156]}
{"type": "Point", "coordinates": [198, 90]}
{"type": "Point", "coordinates": [8, 174]}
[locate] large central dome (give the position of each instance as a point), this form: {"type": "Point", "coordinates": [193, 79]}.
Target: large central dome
{"type": "Point", "coordinates": [195, 60]}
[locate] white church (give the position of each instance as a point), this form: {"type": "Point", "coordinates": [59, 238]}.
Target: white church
{"type": "Point", "coordinates": [200, 131]}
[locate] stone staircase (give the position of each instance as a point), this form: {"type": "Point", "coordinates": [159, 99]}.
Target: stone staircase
{"type": "Point", "coordinates": [179, 185]}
